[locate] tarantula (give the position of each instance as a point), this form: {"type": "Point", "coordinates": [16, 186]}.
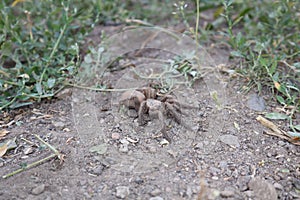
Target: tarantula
{"type": "Point", "coordinates": [150, 105]}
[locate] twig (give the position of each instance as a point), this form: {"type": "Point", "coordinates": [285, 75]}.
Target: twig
{"type": "Point", "coordinates": [56, 153]}
{"type": "Point", "coordinates": [275, 130]}
{"type": "Point", "coordinates": [197, 21]}
{"type": "Point", "coordinates": [149, 39]}
{"type": "Point", "coordinates": [99, 89]}
{"type": "Point", "coordinates": [47, 144]}
{"type": "Point", "coordinates": [29, 166]}
{"type": "Point", "coordinates": [137, 21]}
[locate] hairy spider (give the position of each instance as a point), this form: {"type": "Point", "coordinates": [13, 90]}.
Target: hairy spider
{"type": "Point", "coordinates": [151, 106]}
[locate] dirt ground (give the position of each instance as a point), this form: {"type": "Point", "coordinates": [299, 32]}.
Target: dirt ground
{"type": "Point", "coordinates": [224, 154]}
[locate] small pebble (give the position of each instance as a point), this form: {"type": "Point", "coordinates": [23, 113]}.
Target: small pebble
{"type": "Point", "coordinates": [59, 125]}
{"type": "Point", "coordinates": [115, 136]}
{"type": "Point", "coordinates": [122, 192]}
{"type": "Point", "coordinates": [139, 180]}
{"type": "Point", "coordinates": [97, 170]}
{"type": "Point", "coordinates": [124, 147]}
{"type": "Point", "coordinates": [296, 183]}
{"type": "Point", "coordinates": [164, 142]}
{"type": "Point", "coordinates": [152, 149]}
{"type": "Point", "coordinates": [227, 193]}
{"type": "Point", "coordinates": [281, 143]}
{"type": "Point", "coordinates": [38, 190]}
{"type": "Point", "coordinates": [256, 103]}
{"type": "Point", "coordinates": [155, 192]}
{"type": "Point", "coordinates": [28, 150]}
{"type": "Point", "coordinates": [230, 140]}
{"type": "Point", "coordinates": [249, 193]}
{"type": "Point", "coordinates": [278, 186]}
{"type": "Point", "coordinates": [156, 198]}
{"type": "Point", "coordinates": [66, 130]}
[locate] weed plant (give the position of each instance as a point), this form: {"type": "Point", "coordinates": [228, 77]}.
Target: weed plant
{"type": "Point", "coordinates": [39, 47]}
{"type": "Point", "coordinates": [267, 42]}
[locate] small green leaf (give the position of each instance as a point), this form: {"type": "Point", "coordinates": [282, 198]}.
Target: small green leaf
{"type": "Point", "coordinates": [280, 99]}
{"type": "Point", "coordinates": [237, 20]}
{"type": "Point", "coordinates": [51, 82]}
{"type": "Point", "coordinates": [6, 48]}
{"type": "Point", "coordinates": [273, 67]}
{"type": "Point", "coordinates": [294, 134]}
{"type": "Point", "coordinates": [100, 149]}
{"type": "Point", "coordinates": [297, 127]}
{"type": "Point", "coordinates": [292, 87]}
{"type": "Point", "coordinates": [88, 59]}
{"type": "Point", "coordinates": [276, 116]}
{"type": "Point", "coordinates": [18, 105]}
{"type": "Point", "coordinates": [38, 88]}
{"type": "Point", "coordinates": [285, 170]}
{"type": "Point", "coordinates": [236, 54]}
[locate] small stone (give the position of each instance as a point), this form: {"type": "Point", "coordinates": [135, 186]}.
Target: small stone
{"type": "Point", "coordinates": [152, 149]}
{"type": "Point", "coordinates": [38, 190]}
{"type": "Point", "coordinates": [155, 192]}
{"type": "Point", "coordinates": [294, 194]}
{"type": "Point", "coordinates": [124, 146]}
{"type": "Point", "coordinates": [296, 183]}
{"type": "Point", "coordinates": [189, 192]}
{"type": "Point", "coordinates": [28, 150]}
{"type": "Point", "coordinates": [66, 130]}
{"type": "Point", "coordinates": [278, 186]}
{"type": "Point", "coordinates": [164, 142]}
{"type": "Point", "coordinates": [59, 125]}
{"type": "Point", "coordinates": [168, 189]}
{"type": "Point", "coordinates": [281, 143]}
{"type": "Point", "coordinates": [242, 182]}
{"type": "Point", "coordinates": [156, 198]}
{"type": "Point", "coordinates": [230, 140]}
{"type": "Point", "coordinates": [199, 145]}
{"type": "Point", "coordinates": [115, 136]}
{"type": "Point", "coordinates": [262, 189]}
{"type": "Point", "coordinates": [213, 194]}
{"type": "Point", "coordinates": [249, 193]}
{"type": "Point", "coordinates": [256, 103]}
{"type": "Point", "coordinates": [139, 180]}
{"type": "Point", "coordinates": [82, 182]}
{"type": "Point", "coordinates": [122, 192]}
{"type": "Point", "coordinates": [227, 193]}
{"type": "Point", "coordinates": [132, 113]}
{"type": "Point", "coordinates": [97, 170]}
{"type": "Point", "coordinates": [214, 171]}
{"type": "Point", "coordinates": [223, 165]}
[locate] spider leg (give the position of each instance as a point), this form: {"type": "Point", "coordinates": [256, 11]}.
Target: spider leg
{"type": "Point", "coordinates": [171, 99]}
{"type": "Point", "coordinates": [176, 115]}
{"type": "Point", "coordinates": [142, 112]}
{"type": "Point", "coordinates": [163, 130]}
{"type": "Point", "coordinates": [173, 112]}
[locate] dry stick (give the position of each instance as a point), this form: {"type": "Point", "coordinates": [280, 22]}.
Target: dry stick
{"type": "Point", "coordinates": [56, 153]}
{"type": "Point", "coordinates": [148, 40]}
{"type": "Point", "coordinates": [29, 166]}
{"type": "Point", "coordinates": [47, 144]}
{"type": "Point", "coordinates": [99, 89]}
{"type": "Point", "coordinates": [275, 130]}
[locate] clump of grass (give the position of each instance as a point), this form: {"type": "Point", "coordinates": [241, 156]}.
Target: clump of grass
{"type": "Point", "coordinates": [264, 35]}
{"type": "Point", "coordinates": [39, 47]}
